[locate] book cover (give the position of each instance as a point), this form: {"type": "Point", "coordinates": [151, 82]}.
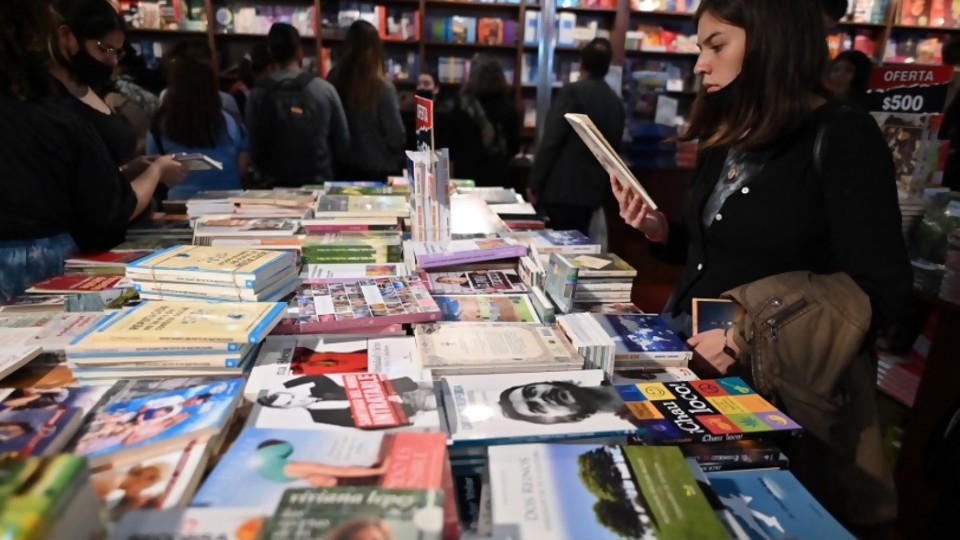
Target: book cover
{"type": "Point", "coordinates": [245, 226]}
{"type": "Point", "coordinates": [512, 308]}
{"type": "Point", "coordinates": [736, 455]}
{"type": "Point", "coordinates": [184, 523]}
{"type": "Point", "coordinates": [602, 265]}
{"type": "Point", "coordinates": [475, 282]}
{"type": "Point", "coordinates": [490, 31]}
{"type": "Point", "coordinates": [272, 292]}
{"type": "Point", "coordinates": [393, 355]}
{"type": "Point", "coordinates": [773, 504]}
{"type": "Point", "coordinates": [565, 242]}
{"type": "Point", "coordinates": [400, 191]}
{"type": "Point", "coordinates": [560, 282]}
{"type": "Point", "coordinates": [158, 422]}
{"type": "Point", "coordinates": [165, 481]}
{"type": "Point", "coordinates": [77, 284]}
{"type": "Point", "coordinates": [702, 411]}
{"type": "Point", "coordinates": [61, 330]}
{"type": "Point", "coordinates": [345, 273]}
{"type": "Point", "coordinates": [368, 205]}
{"type": "Point", "coordinates": [82, 398]}
{"type": "Point", "coordinates": [34, 303]}
{"type": "Point", "coordinates": [262, 463]}
{"type": "Point", "coordinates": [366, 303]}
{"type": "Point", "coordinates": [276, 197]}
{"type": "Point", "coordinates": [465, 344]}
{"type": "Point", "coordinates": [36, 432]}
{"type": "Point", "coordinates": [283, 356]}
{"type": "Point", "coordinates": [128, 390]}
{"type": "Point", "coordinates": [574, 491]}
{"type": "Point", "coordinates": [246, 268]}
{"type": "Point", "coordinates": [349, 401]}
{"type": "Point", "coordinates": [643, 338]}
{"type": "Point", "coordinates": [714, 314]}
{"type": "Point", "coordinates": [439, 254]}
{"type": "Point", "coordinates": [108, 258]}
{"type": "Point", "coordinates": [233, 322]}
{"type": "Point", "coordinates": [524, 407]}
{"type": "Point", "coordinates": [351, 512]}
{"type": "Point", "coordinates": [14, 357]}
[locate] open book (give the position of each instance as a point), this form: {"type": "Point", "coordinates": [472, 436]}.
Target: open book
{"type": "Point", "coordinates": [607, 156]}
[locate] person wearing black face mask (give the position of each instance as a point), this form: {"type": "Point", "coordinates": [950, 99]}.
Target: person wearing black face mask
{"type": "Point", "coordinates": [85, 49]}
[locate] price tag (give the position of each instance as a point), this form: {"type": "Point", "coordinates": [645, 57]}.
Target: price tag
{"type": "Point", "coordinates": [909, 89]}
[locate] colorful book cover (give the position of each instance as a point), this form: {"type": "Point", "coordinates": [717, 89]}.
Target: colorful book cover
{"type": "Point", "coordinates": [526, 407]}
{"type": "Point", "coordinates": [703, 411]}
{"type": "Point", "coordinates": [82, 398]}
{"type": "Point", "coordinates": [714, 314]}
{"type": "Point", "coordinates": [219, 523]}
{"type": "Point", "coordinates": [736, 455]}
{"type": "Point", "coordinates": [262, 463]}
{"type": "Point", "coordinates": [402, 191]}
{"type": "Point", "coordinates": [283, 356]}
{"type": "Point", "coordinates": [371, 205]}
{"type": "Point", "coordinates": [457, 252]}
{"type": "Point", "coordinates": [572, 491]}
{"type": "Point", "coordinates": [47, 498]}
{"type": "Point", "coordinates": [160, 422]}
{"type": "Point", "coordinates": [155, 483]}
{"type": "Point", "coordinates": [507, 308]}
{"type": "Point", "coordinates": [602, 265]}
{"type": "Point", "coordinates": [338, 402]}
{"type": "Point", "coordinates": [245, 226]}
{"type": "Point", "coordinates": [773, 504]}
{"type": "Point", "coordinates": [128, 390]}
{"type": "Point", "coordinates": [366, 303]}
{"type": "Point", "coordinates": [351, 512]}
{"type": "Point", "coordinates": [108, 258]}
{"type": "Point", "coordinates": [643, 338]}
{"type": "Point", "coordinates": [35, 432]}
{"type": "Point", "coordinates": [77, 284]}
{"type": "Point", "coordinates": [345, 273]}
{"type": "Point", "coordinates": [225, 322]}
{"type": "Point", "coordinates": [566, 242]}
{"type": "Point", "coordinates": [247, 268]}
{"type": "Point", "coordinates": [561, 282]}
{"type": "Point", "coordinates": [475, 282]}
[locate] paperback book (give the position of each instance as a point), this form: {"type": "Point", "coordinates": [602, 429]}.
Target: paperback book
{"type": "Point", "coordinates": [561, 282]}
{"type": "Point", "coordinates": [184, 523]}
{"type": "Point", "coordinates": [428, 255]}
{"type": "Point", "coordinates": [347, 402]}
{"type": "Point", "coordinates": [367, 303]}
{"type": "Point", "coordinates": [285, 356]}
{"type": "Point", "coordinates": [566, 242]}
{"type": "Point", "coordinates": [158, 423]}
{"type": "Point", "coordinates": [642, 340]}
{"type": "Point", "coordinates": [224, 267]}
{"type": "Point", "coordinates": [325, 274]}
{"type": "Point", "coordinates": [77, 284]}
{"type": "Point", "coordinates": [36, 432]}
{"type": "Point", "coordinates": [602, 265]}
{"type": "Point", "coordinates": [363, 205]}
{"type": "Point", "coordinates": [308, 514]}
{"type": "Point", "coordinates": [507, 308]}
{"type": "Point", "coordinates": [474, 282]}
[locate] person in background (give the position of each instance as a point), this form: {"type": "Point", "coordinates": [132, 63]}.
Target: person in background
{"type": "Point", "coordinates": [759, 207]}
{"type": "Point", "coordinates": [135, 103]}
{"type": "Point", "coordinates": [849, 76]}
{"type": "Point", "coordinates": [566, 182]}
{"type": "Point", "coordinates": [295, 119]}
{"type": "Point", "coordinates": [88, 44]}
{"type": "Point", "coordinates": [832, 11]}
{"type": "Point", "coordinates": [427, 85]}
{"type": "Point", "coordinates": [373, 111]}
{"type": "Point", "coordinates": [199, 48]}
{"type": "Point", "coordinates": [60, 190]}
{"type": "Point", "coordinates": [191, 120]}
{"type": "Point", "coordinates": [487, 126]}
{"type": "Point", "coordinates": [255, 65]}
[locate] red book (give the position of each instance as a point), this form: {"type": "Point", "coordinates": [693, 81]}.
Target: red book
{"type": "Point", "coordinates": [76, 284]}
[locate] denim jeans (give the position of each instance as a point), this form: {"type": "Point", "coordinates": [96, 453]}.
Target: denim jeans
{"type": "Point", "coordinates": [25, 262]}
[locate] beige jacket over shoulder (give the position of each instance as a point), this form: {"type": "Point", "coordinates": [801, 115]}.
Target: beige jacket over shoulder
{"type": "Point", "coordinates": [803, 340]}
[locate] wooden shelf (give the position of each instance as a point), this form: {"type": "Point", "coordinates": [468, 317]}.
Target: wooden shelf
{"type": "Point", "coordinates": [853, 24]}
{"type": "Point", "coordinates": [386, 42]}
{"type": "Point", "coordinates": [672, 54]}
{"type": "Point", "coordinates": [586, 10]}
{"type": "Point", "coordinates": [930, 29]}
{"type": "Point", "coordinates": [451, 45]}
{"type": "Point", "coordinates": [171, 33]}
{"type": "Point", "coordinates": [456, 4]}
{"type": "Point", "coordinates": [664, 14]}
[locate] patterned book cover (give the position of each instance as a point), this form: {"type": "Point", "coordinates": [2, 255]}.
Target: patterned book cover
{"type": "Point", "coordinates": [506, 308]}
{"type": "Point", "coordinates": [643, 338]}
{"type": "Point", "coordinates": [475, 282]}
{"type": "Point", "coordinates": [366, 303]}
{"type": "Point", "coordinates": [283, 356]}
{"type": "Point", "coordinates": [703, 411]}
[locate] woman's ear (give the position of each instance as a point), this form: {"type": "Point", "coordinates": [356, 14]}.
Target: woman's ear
{"type": "Point", "coordinates": [67, 41]}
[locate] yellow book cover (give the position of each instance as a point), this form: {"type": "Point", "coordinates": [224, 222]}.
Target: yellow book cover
{"type": "Point", "coordinates": [222, 322]}
{"type": "Point", "coordinates": [239, 267]}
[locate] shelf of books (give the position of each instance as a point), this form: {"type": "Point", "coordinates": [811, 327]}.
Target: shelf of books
{"type": "Point", "coordinates": [407, 359]}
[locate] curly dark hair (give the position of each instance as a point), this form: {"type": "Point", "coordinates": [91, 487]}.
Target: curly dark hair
{"type": "Point", "coordinates": [25, 30]}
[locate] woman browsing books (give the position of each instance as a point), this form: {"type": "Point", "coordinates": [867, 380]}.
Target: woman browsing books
{"type": "Point", "coordinates": [786, 181]}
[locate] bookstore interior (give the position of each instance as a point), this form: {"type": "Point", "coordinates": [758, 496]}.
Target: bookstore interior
{"type": "Point", "coordinates": [422, 354]}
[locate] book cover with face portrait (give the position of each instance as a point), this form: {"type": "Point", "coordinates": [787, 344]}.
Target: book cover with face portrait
{"type": "Point", "coordinates": [565, 405]}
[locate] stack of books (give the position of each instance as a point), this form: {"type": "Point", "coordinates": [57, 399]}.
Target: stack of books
{"type": "Point", "coordinates": [214, 273]}
{"type": "Point", "coordinates": [286, 203]}
{"type": "Point", "coordinates": [616, 342]}
{"type": "Point", "coordinates": [243, 231]}
{"type": "Point", "coordinates": [602, 278]}
{"type": "Point", "coordinates": [211, 203]}
{"type": "Point", "coordinates": [160, 227]}
{"type": "Point", "coordinates": [107, 262]}
{"type": "Point", "coordinates": [173, 339]}
{"type": "Point", "coordinates": [371, 247]}
{"type": "Point", "coordinates": [364, 206]}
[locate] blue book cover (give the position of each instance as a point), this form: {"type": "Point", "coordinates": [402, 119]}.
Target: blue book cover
{"type": "Point", "coordinates": [161, 420]}
{"type": "Point", "coordinates": [34, 432]}
{"type": "Point", "coordinates": [643, 337]}
{"type": "Point", "coordinates": [566, 238]}
{"type": "Point", "coordinates": [714, 314]}
{"type": "Point", "coordinates": [773, 505]}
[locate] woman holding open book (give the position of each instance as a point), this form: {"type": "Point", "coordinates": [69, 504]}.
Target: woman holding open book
{"type": "Point", "coordinates": [786, 181]}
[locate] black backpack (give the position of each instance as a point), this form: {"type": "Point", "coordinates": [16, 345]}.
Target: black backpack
{"type": "Point", "coordinates": [289, 133]}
